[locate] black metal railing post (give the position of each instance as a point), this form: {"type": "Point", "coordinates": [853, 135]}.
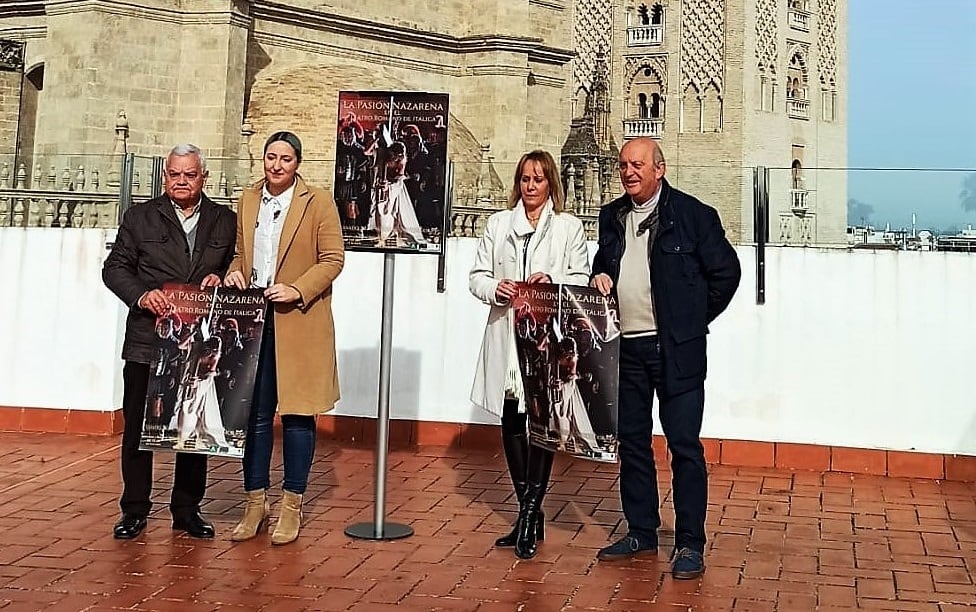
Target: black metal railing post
{"type": "Point", "coordinates": [125, 184]}
{"type": "Point", "coordinates": [760, 199]}
{"type": "Point", "coordinates": [156, 180]}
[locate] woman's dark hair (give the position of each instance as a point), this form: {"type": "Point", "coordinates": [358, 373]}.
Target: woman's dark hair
{"type": "Point", "coordinates": [288, 137]}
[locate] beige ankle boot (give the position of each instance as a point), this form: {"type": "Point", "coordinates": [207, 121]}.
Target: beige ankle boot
{"type": "Point", "coordinates": [289, 520]}
{"type": "Point", "coordinates": [255, 518]}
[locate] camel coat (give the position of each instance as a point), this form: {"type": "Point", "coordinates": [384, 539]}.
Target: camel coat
{"type": "Point", "coordinates": [310, 257]}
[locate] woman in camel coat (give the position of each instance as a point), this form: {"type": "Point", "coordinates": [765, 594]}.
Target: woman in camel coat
{"type": "Point", "coordinates": [289, 242]}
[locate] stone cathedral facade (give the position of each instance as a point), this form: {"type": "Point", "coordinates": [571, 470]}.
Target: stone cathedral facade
{"type": "Point", "coordinates": [725, 85]}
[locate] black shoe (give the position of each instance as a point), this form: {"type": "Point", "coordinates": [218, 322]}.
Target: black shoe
{"type": "Point", "coordinates": [526, 540]}
{"type": "Point", "coordinates": [129, 526]}
{"type": "Point", "coordinates": [507, 541]}
{"type": "Point", "coordinates": [194, 525]}
{"type": "Point", "coordinates": [628, 547]}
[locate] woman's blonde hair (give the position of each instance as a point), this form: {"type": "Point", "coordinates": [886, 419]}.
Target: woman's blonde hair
{"type": "Point", "coordinates": [549, 170]}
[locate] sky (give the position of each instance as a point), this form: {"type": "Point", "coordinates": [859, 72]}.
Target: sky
{"type": "Point", "coordinates": [912, 104]}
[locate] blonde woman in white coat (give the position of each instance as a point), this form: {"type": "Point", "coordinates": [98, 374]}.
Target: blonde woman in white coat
{"type": "Point", "coordinates": [532, 241]}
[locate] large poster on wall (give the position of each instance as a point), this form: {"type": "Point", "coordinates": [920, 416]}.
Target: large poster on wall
{"type": "Point", "coordinates": [568, 343]}
{"type": "Point", "coordinates": [391, 168]}
{"type": "Point", "coordinates": [201, 378]}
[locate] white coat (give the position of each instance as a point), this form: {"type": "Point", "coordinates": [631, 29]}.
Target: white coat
{"type": "Point", "coordinates": [559, 250]}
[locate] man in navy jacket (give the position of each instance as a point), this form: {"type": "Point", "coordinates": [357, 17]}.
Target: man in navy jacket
{"type": "Point", "coordinates": [665, 255]}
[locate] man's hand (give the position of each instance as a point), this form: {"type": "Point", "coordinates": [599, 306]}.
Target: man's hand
{"type": "Point", "coordinates": [505, 291]}
{"type": "Point", "coordinates": [602, 283]}
{"type": "Point", "coordinates": [235, 279]}
{"type": "Point", "coordinates": [156, 302]}
{"type": "Point", "coordinates": [539, 277]}
{"type": "Point", "coordinates": [210, 280]}
{"type": "Point", "coordinates": [280, 292]}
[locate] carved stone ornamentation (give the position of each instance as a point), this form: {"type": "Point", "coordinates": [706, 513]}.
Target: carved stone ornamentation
{"type": "Point", "coordinates": [703, 45]}
{"type": "Point", "coordinates": [767, 55]}
{"type": "Point", "coordinates": [11, 55]}
{"type": "Point", "coordinates": [827, 42]}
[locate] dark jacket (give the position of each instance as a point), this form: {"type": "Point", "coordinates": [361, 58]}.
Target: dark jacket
{"type": "Point", "coordinates": [694, 274]}
{"type": "Point", "coordinates": [151, 249]}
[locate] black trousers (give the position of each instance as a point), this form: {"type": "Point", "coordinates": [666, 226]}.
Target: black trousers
{"type": "Point", "coordinates": [190, 479]}
{"type": "Point", "coordinates": [641, 373]}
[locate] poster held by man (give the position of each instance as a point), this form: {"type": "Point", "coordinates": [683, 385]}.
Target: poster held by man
{"type": "Point", "coordinates": [202, 374]}
{"type": "Point", "coordinates": [391, 168]}
{"type": "Point", "coordinates": [568, 343]}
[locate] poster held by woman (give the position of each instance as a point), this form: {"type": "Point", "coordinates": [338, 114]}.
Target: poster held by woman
{"type": "Point", "coordinates": [568, 343]}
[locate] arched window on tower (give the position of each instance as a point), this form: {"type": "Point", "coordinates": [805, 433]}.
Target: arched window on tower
{"type": "Point", "coordinates": [797, 86]}
{"type": "Point", "coordinates": [798, 192]}
{"type": "Point", "coordinates": [644, 15]}
{"type": "Point", "coordinates": [657, 14]}
{"type": "Point", "coordinates": [796, 77]}
{"type": "Point", "coordinates": [644, 112]}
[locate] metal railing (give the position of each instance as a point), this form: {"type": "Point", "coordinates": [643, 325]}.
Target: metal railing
{"type": "Point", "coordinates": [636, 128]}
{"type": "Point", "coordinates": [799, 19]}
{"type": "Point", "coordinates": [798, 108]}
{"type": "Point", "coordinates": [645, 35]}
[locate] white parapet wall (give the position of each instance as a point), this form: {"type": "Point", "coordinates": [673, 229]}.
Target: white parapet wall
{"type": "Point", "coordinates": [862, 349]}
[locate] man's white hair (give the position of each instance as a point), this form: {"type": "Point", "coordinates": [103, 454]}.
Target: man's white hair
{"type": "Point", "coordinates": [182, 150]}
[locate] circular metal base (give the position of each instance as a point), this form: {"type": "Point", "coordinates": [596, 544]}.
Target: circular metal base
{"type": "Point", "coordinates": [367, 531]}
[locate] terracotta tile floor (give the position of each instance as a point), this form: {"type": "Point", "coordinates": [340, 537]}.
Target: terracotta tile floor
{"type": "Point", "coordinates": [779, 540]}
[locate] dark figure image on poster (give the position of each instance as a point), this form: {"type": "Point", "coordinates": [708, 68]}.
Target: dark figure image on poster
{"type": "Point", "coordinates": [202, 374]}
{"type": "Point", "coordinates": [390, 172]}
{"type": "Point", "coordinates": [567, 339]}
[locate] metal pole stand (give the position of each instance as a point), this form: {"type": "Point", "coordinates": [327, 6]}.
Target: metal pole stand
{"type": "Point", "coordinates": [379, 529]}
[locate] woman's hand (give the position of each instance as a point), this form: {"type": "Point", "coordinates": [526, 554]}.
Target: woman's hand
{"type": "Point", "coordinates": [210, 280]}
{"type": "Point", "coordinates": [506, 290]}
{"type": "Point", "coordinates": [602, 283]}
{"type": "Point", "coordinates": [282, 293]}
{"type": "Point", "coordinates": [235, 279]}
{"type": "Point", "coordinates": [539, 277]}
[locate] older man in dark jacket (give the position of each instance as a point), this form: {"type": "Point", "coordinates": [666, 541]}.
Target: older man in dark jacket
{"type": "Point", "coordinates": [666, 257]}
{"type": "Point", "coordinates": [180, 237]}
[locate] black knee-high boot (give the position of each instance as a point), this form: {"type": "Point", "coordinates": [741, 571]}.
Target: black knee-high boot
{"type": "Point", "coordinates": [531, 521]}
{"type": "Point", "coordinates": [515, 442]}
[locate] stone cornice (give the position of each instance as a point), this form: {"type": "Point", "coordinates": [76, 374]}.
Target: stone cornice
{"type": "Point", "coordinates": [21, 8]}
{"type": "Point", "coordinates": [409, 37]}
{"type": "Point", "coordinates": [559, 5]}
{"type": "Point", "coordinates": [24, 32]}
{"type": "Point", "coordinates": [153, 13]}
{"type": "Point", "coordinates": [273, 39]}
{"type": "Point", "coordinates": [546, 80]}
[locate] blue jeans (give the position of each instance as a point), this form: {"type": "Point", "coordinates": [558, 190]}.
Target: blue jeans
{"type": "Point", "coordinates": [641, 372]}
{"type": "Point", "coordinates": [298, 431]}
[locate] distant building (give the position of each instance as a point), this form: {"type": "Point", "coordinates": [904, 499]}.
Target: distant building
{"type": "Point", "coordinates": [963, 242]}
{"type": "Point", "coordinates": [867, 237]}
